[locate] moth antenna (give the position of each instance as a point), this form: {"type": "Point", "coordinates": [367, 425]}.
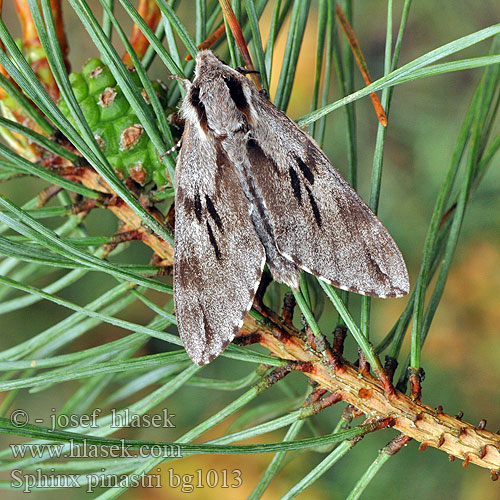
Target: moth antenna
{"type": "Point", "coordinates": [245, 71]}
{"type": "Point", "coordinates": [239, 38]}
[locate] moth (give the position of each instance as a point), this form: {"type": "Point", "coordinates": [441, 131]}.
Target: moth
{"type": "Point", "coordinates": [252, 189]}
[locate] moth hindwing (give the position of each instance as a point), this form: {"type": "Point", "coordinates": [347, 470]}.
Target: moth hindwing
{"type": "Point", "coordinates": [252, 188]}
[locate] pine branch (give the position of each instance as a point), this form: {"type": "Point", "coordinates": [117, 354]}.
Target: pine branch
{"type": "Point", "coordinates": [64, 149]}
{"type": "Point", "coordinates": [427, 425]}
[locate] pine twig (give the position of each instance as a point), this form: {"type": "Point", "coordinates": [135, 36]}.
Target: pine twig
{"type": "Point", "coordinates": [429, 426]}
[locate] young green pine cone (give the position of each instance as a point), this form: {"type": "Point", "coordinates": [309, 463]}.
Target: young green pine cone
{"type": "Point", "coordinates": [115, 125]}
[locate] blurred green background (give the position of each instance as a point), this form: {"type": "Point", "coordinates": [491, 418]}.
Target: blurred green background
{"type": "Point", "coordinates": [463, 349]}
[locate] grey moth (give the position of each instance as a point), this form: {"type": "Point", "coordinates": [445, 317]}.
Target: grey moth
{"type": "Point", "coordinates": [251, 188]}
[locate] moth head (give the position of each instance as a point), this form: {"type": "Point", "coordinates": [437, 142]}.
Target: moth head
{"type": "Point", "coordinates": [220, 100]}
{"type": "Point", "coordinates": [206, 60]}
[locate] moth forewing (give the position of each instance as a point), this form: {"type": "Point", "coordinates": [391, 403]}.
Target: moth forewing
{"type": "Point", "coordinates": [218, 258]}
{"type": "Point", "coordinates": [319, 221]}
{"type": "Point", "coordinates": [251, 187]}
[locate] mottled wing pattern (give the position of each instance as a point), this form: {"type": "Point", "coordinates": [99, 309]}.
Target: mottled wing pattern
{"type": "Point", "coordinates": [320, 222]}
{"type": "Point", "coordinates": [218, 257]}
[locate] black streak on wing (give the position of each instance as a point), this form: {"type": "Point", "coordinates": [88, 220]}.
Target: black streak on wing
{"type": "Point", "coordinates": [200, 107]}
{"type": "Point", "coordinates": [213, 213]}
{"type": "Point", "coordinates": [186, 200]}
{"type": "Point", "coordinates": [295, 182]}
{"type": "Point", "coordinates": [213, 242]}
{"type": "Point", "coordinates": [197, 206]}
{"type": "Point", "coordinates": [314, 206]}
{"type": "Point", "coordinates": [257, 157]}
{"type": "Point", "coordinates": [188, 267]}
{"type": "Point", "coordinates": [381, 275]}
{"type": "Point", "coordinates": [237, 95]}
{"type": "Point", "coordinates": [306, 171]}
{"type": "Point", "coordinates": [221, 159]}
{"type": "Point", "coordinates": [221, 162]}
{"type": "Point", "coordinates": [208, 330]}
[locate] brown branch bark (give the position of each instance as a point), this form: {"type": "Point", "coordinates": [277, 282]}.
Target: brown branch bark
{"type": "Point", "coordinates": [130, 219]}
{"type": "Point", "coordinates": [414, 419]}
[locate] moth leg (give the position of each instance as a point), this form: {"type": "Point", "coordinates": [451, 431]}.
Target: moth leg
{"type": "Point", "coordinates": [184, 81]}
{"type": "Point", "coordinates": [177, 145]}
{"type": "Point", "coordinates": [265, 281]}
